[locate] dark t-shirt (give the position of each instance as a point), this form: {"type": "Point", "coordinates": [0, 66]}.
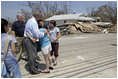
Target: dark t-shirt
{"type": "Point", "coordinates": [18, 28]}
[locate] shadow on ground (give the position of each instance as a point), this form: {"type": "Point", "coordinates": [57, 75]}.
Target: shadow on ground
{"type": "Point", "coordinates": [41, 66]}
{"type": "Point", "coordinates": [113, 44]}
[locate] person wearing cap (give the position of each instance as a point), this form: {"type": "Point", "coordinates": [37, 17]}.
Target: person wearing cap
{"type": "Point", "coordinates": [32, 28]}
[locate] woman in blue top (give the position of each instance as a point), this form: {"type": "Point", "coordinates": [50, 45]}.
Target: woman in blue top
{"type": "Point", "coordinates": [45, 47]}
{"type": "Point", "coordinates": [11, 63]}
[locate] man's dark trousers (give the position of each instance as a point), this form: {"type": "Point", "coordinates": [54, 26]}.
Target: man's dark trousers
{"type": "Point", "coordinates": [31, 52]}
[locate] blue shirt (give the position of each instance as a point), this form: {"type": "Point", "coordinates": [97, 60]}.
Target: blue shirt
{"type": "Point", "coordinates": [32, 28]}
{"type": "Point", "coordinates": [44, 41]}
{"type": "Point", "coordinates": [9, 55]}
{"type": "Point", "coordinates": [18, 27]}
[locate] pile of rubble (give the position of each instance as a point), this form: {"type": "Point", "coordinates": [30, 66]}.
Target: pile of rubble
{"type": "Point", "coordinates": [71, 28]}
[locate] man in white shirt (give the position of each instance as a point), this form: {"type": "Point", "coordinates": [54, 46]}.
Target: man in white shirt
{"type": "Point", "coordinates": [32, 28]}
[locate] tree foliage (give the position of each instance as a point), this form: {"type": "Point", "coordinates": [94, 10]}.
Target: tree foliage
{"type": "Point", "coordinates": [26, 14]}
{"type": "Point", "coordinates": [48, 8]}
{"type": "Point", "coordinates": [107, 13]}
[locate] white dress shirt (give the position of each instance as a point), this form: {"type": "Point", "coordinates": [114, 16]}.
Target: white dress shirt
{"type": "Point", "coordinates": [32, 28]}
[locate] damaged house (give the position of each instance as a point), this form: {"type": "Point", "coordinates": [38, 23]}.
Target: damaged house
{"type": "Point", "coordinates": [72, 23]}
{"type": "Point", "coordinates": [70, 18]}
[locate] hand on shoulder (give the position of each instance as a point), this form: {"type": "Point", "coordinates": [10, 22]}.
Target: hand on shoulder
{"type": "Point", "coordinates": [45, 31]}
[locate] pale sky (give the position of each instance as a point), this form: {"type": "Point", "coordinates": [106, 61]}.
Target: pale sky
{"type": "Point", "coordinates": [11, 8]}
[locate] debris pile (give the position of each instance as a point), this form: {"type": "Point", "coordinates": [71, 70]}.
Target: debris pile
{"type": "Point", "coordinates": [71, 28]}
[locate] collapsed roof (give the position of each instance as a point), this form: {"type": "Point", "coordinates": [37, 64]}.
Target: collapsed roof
{"type": "Point", "coordinates": [77, 16]}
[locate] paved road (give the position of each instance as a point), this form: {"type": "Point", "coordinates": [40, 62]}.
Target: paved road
{"type": "Point", "coordinates": [82, 56]}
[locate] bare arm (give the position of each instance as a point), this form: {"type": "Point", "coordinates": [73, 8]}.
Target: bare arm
{"type": "Point", "coordinates": [13, 49]}
{"type": "Point", "coordinates": [13, 33]}
{"type": "Point", "coordinates": [45, 32]}
{"type": "Point", "coordinates": [33, 39]}
{"type": "Point", "coordinates": [59, 35]}
{"type": "Point", "coordinates": [48, 35]}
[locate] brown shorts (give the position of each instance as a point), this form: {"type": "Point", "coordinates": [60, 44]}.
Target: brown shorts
{"type": "Point", "coordinates": [55, 48]}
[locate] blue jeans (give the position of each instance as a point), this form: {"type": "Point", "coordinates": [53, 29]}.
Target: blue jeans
{"type": "Point", "coordinates": [13, 67]}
